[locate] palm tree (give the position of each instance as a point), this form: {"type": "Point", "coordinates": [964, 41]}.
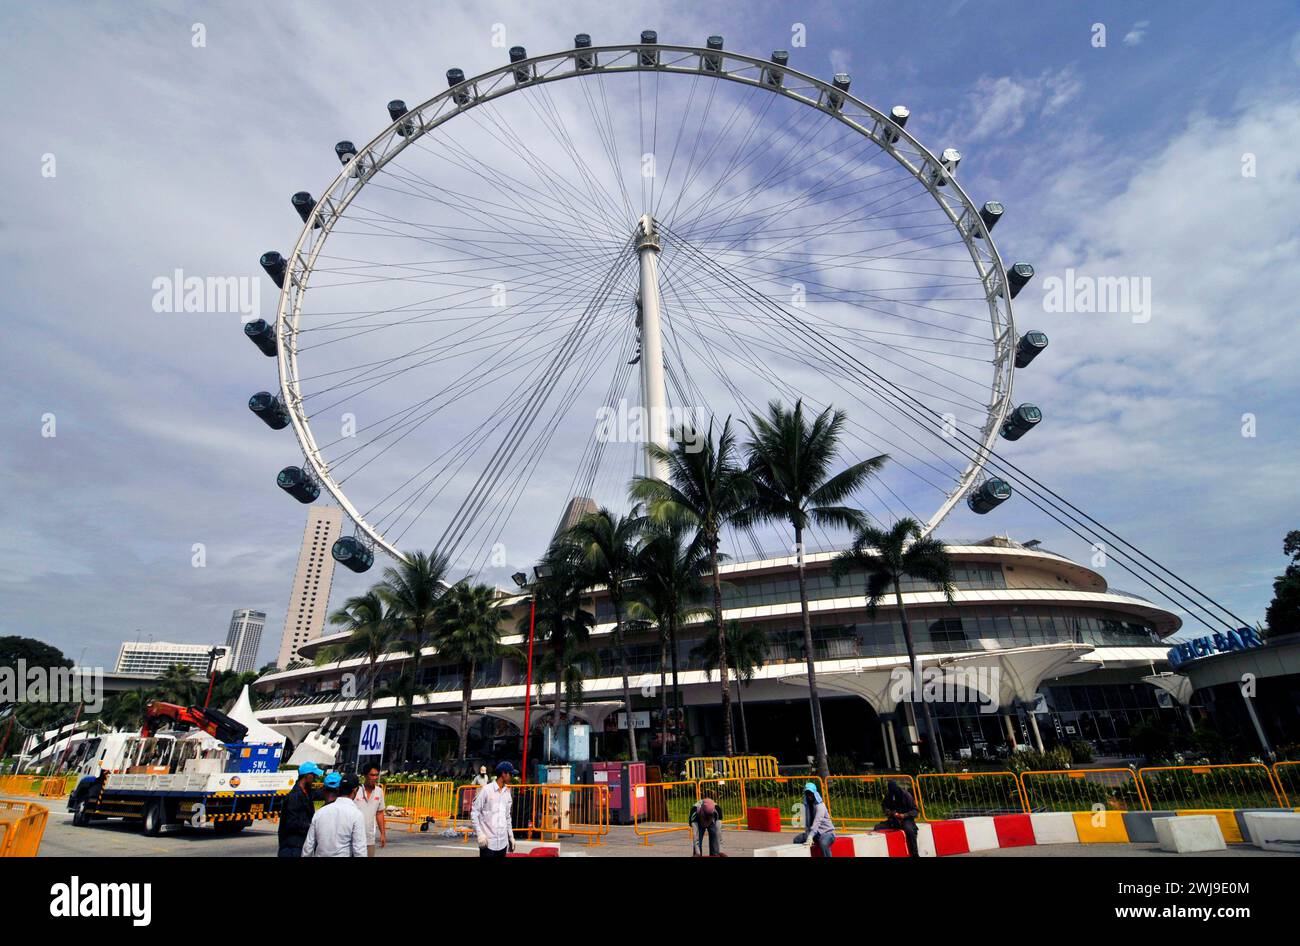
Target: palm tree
{"type": "Point", "coordinates": [790, 463]}
{"type": "Point", "coordinates": [707, 486]}
{"type": "Point", "coordinates": [411, 591]}
{"type": "Point", "coordinates": [608, 544]}
{"type": "Point", "coordinates": [746, 652]}
{"type": "Point", "coordinates": [373, 633]}
{"type": "Point", "coordinates": [888, 557]}
{"type": "Point", "coordinates": [468, 633]}
{"type": "Point", "coordinates": [178, 684]}
{"type": "Point", "coordinates": [561, 620]}
{"type": "Point", "coordinates": [671, 561]}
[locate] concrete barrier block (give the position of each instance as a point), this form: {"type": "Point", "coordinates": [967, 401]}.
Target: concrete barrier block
{"type": "Point", "coordinates": [925, 846]}
{"type": "Point", "coordinates": [870, 845]}
{"type": "Point", "coordinates": [1226, 817]}
{"type": "Point", "coordinates": [1189, 834]}
{"type": "Point", "coordinates": [1100, 827]}
{"type": "Point", "coordinates": [1139, 826]}
{"type": "Point", "coordinates": [949, 837]}
{"type": "Point", "coordinates": [981, 834]}
{"type": "Point", "coordinates": [1055, 827]}
{"type": "Point", "coordinates": [784, 850]}
{"type": "Point", "coordinates": [1273, 830]}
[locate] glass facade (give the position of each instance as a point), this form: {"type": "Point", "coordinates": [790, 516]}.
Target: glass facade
{"type": "Point", "coordinates": [753, 592]}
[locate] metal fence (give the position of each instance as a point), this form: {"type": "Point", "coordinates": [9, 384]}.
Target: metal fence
{"type": "Point", "coordinates": [1175, 787]}
{"type": "Point", "coordinates": [22, 825]}
{"type": "Point", "coordinates": [1083, 790]}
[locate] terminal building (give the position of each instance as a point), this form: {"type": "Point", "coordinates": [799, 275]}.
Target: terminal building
{"type": "Point", "coordinates": [1070, 658]}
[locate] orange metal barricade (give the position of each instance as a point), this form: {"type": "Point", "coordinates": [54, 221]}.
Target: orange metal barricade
{"type": "Point", "coordinates": [418, 803]}
{"type": "Point", "coordinates": [856, 799]}
{"type": "Point", "coordinates": [1286, 775]}
{"type": "Point", "coordinates": [22, 825]}
{"type": "Point", "coordinates": [1083, 790]}
{"type": "Point", "coordinates": [736, 766]}
{"type": "Point", "coordinates": [668, 808]}
{"type": "Point", "coordinates": [548, 811]}
{"type": "Point", "coordinates": [1218, 787]}
{"type": "Point", "coordinates": [738, 795]}
{"type": "Point", "coordinates": [943, 795]}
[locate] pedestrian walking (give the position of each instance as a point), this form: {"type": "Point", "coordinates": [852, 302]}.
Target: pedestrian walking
{"type": "Point", "coordinates": [490, 814]}
{"type": "Point", "coordinates": [337, 829]}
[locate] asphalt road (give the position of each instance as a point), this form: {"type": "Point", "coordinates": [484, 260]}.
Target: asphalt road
{"type": "Point", "coordinates": [117, 838]}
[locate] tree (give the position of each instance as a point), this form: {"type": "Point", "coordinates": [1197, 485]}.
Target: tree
{"type": "Point", "coordinates": [178, 684]}
{"type": "Point", "coordinates": [671, 561]}
{"type": "Point", "coordinates": [561, 620]}
{"type": "Point", "coordinates": [747, 653]}
{"type": "Point", "coordinates": [411, 591]}
{"type": "Point", "coordinates": [469, 634]}
{"type": "Point", "coordinates": [373, 633]}
{"type": "Point", "coordinates": [608, 544]}
{"type": "Point", "coordinates": [888, 557]}
{"type": "Point", "coordinates": [790, 464]}
{"type": "Point", "coordinates": [1283, 614]}
{"type": "Point", "coordinates": [709, 487]}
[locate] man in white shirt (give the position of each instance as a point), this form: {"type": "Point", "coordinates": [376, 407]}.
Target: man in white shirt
{"type": "Point", "coordinates": [337, 829]}
{"type": "Point", "coordinates": [370, 799]}
{"type": "Point", "coordinates": [491, 815]}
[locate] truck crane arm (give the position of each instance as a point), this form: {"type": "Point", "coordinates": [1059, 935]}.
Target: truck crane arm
{"type": "Point", "coordinates": [212, 721]}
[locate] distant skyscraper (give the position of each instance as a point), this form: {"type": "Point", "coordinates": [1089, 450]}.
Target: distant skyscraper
{"type": "Point", "coordinates": [574, 510]}
{"type": "Point", "coordinates": [244, 637]}
{"type": "Point", "coordinates": [309, 600]}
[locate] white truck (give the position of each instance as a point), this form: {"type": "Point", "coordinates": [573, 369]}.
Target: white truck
{"type": "Point", "coordinates": [165, 779]}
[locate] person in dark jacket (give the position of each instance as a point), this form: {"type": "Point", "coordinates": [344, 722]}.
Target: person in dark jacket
{"type": "Point", "coordinates": [297, 811]}
{"type": "Point", "coordinates": [900, 814]}
{"type": "Point", "coordinates": [706, 818]}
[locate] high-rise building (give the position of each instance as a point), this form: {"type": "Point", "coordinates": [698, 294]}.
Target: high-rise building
{"type": "Point", "coordinates": [153, 658]}
{"type": "Point", "coordinates": [309, 600]}
{"type": "Point", "coordinates": [244, 638]}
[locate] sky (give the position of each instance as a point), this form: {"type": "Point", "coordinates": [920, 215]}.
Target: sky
{"type": "Point", "coordinates": [149, 138]}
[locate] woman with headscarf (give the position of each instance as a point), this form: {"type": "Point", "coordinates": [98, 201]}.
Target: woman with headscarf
{"type": "Point", "coordinates": [817, 823]}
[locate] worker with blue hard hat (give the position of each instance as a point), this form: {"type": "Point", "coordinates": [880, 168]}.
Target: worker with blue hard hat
{"type": "Point", "coordinates": [297, 810]}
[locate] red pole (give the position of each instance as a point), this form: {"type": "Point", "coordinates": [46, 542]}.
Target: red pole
{"type": "Point", "coordinates": [528, 695]}
{"type": "Point", "coordinates": [212, 677]}
{"type": "Point", "coordinates": [5, 742]}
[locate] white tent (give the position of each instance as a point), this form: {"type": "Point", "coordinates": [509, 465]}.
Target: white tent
{"type": "Point", "coordinates": [258, 731]}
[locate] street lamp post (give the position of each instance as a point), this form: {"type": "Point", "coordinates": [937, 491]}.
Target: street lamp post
{"type": "Point", "coordinates": [521, 579]}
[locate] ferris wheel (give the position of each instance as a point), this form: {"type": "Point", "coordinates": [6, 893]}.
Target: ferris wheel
{"type": "Point", "coordinates": [521, 281]}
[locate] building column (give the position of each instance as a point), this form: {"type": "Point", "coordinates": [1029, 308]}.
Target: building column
{"type": "Point", "coordinates": [893, 743]}
{"type": "Point", "coordinates": [1011, 730]}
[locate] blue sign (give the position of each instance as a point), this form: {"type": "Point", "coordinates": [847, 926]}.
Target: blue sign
{"type": "Point", "coordinates": [1243, 638]}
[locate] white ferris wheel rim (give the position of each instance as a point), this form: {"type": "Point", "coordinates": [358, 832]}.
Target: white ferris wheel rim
{"type": "Point", "coordinates": [856, 114]}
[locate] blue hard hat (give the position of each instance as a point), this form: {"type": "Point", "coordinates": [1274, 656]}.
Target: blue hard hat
{"type": "Point", "coordinates": [333, 780]}
{"type": "Point", "coordinates": [309, 768]}
{"type": "Point", "coordinates": [507, 767]}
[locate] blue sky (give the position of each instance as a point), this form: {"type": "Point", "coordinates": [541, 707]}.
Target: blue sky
{"type": "Point", "coordinates": [1122, 160]}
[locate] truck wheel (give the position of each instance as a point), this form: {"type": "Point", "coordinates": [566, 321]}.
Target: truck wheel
{"type": "Point", "coordinates": [153, 819]}
{"type": "Point", "coordinates": [81, 817]}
